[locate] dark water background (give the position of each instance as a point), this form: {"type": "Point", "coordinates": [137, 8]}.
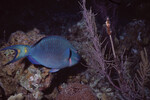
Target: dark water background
{"type": "Point", "coordinates": [51, 16]}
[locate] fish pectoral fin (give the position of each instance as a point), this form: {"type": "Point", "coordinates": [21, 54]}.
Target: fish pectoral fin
{"type": "Point", "coordinates": [32, 60]}
{"type": "Point", "coordinates": [53, 70]}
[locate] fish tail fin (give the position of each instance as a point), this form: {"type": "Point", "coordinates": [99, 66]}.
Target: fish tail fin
{"type": "Point", "coordinates": [21, 51]}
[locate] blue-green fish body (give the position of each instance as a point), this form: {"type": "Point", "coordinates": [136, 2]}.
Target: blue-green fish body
{"type": "Point", "coordinates": [54, 52]}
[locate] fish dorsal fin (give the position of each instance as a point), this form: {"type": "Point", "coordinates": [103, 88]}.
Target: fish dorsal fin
{"type": "Point", "coordinates": [39, 41]}
{"type": "Point", "coordinates": [67, 54]}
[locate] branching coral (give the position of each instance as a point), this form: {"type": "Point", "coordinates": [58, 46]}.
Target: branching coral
{"type": "Point", "coordinates": [93, 36]}
{"type": "Point", "coordinates": [95, 50]}
{"type": "Point", "coordinates": [143, 74]}
{"type": "Point", "coordinates": [115, 69]}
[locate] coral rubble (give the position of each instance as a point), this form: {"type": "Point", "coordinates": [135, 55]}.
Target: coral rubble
{"type": "Point", "coordinates": [76, 91]}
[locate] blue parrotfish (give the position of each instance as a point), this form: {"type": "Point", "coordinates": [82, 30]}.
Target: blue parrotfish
{"type": "Point", "coordinates": [53, 52]}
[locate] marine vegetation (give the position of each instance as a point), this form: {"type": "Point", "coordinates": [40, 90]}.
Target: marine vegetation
{"type": "Point", "coordinates": [129, 83]}
{"type": "Point", "coordinates": [102, 56]}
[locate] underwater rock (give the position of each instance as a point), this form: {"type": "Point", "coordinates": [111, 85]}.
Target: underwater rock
{"type": "Point", "coordinates": [76, 91]}
{"type": "Point", "coordinates": [78, 28]}
{"type": "Point", "coordinates": [28, 38]}
{"type": "Point", "coordinates": [16, 38]}
{"type": "Point", "coordinates": [105, 97]}
{"type": "Point", "coordinates": [2, 93]}
{"type": "Point", "coordinates": [34, 36]}
{"type": "Point", "coordinates": [28, 77]}
{"type": "Point", "coordinates": [35, 81]}
{"type": "Point", "coordinates": [38, 95]}
{"type": "Point", "coordinates": [135, 34]}
{"type": "Point", "coordinates": [16, 97]}
{"type": "Point", "coordinates": [8, 84]}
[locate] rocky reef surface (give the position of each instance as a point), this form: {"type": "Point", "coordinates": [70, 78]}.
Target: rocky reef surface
{"type": "Point", "coordinates": [24, 80]}
{"type": "Point", "coordinates": [21, 77]}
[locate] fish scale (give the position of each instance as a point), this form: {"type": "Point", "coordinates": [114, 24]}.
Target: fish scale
{"type": "Point", "coordinates": [54, 52]}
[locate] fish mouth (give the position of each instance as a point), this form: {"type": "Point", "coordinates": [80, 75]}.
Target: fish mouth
{"type": "Point", "coordinates": [70, 62]}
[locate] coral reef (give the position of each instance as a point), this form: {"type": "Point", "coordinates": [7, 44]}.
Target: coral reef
{"type": "Point", "coordinates": [76, 91]}
{"type": "Point", "coordinates": [118, 72]}
{"type": "Point", "coordinates": [135, 35]}
{"type": "Point", "coordinates": [142, 77]}
{"type": "Point", "coordinates": [16, 97]}
{"type": "Point", "coordinates": [95, 81]}
{"type": "Point", "coordinates": [35, 81]}
{"type": "Point", "coordinates": [28, 76]}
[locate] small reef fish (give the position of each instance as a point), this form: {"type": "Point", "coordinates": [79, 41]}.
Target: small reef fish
{"type": "Point", "coordinates": [53, 52]}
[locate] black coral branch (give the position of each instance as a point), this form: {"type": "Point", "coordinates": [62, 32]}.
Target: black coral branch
{"type": "Point", "coordinates": [143, 73]}
{"type": "Point", "coordinates": [91, 28]}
